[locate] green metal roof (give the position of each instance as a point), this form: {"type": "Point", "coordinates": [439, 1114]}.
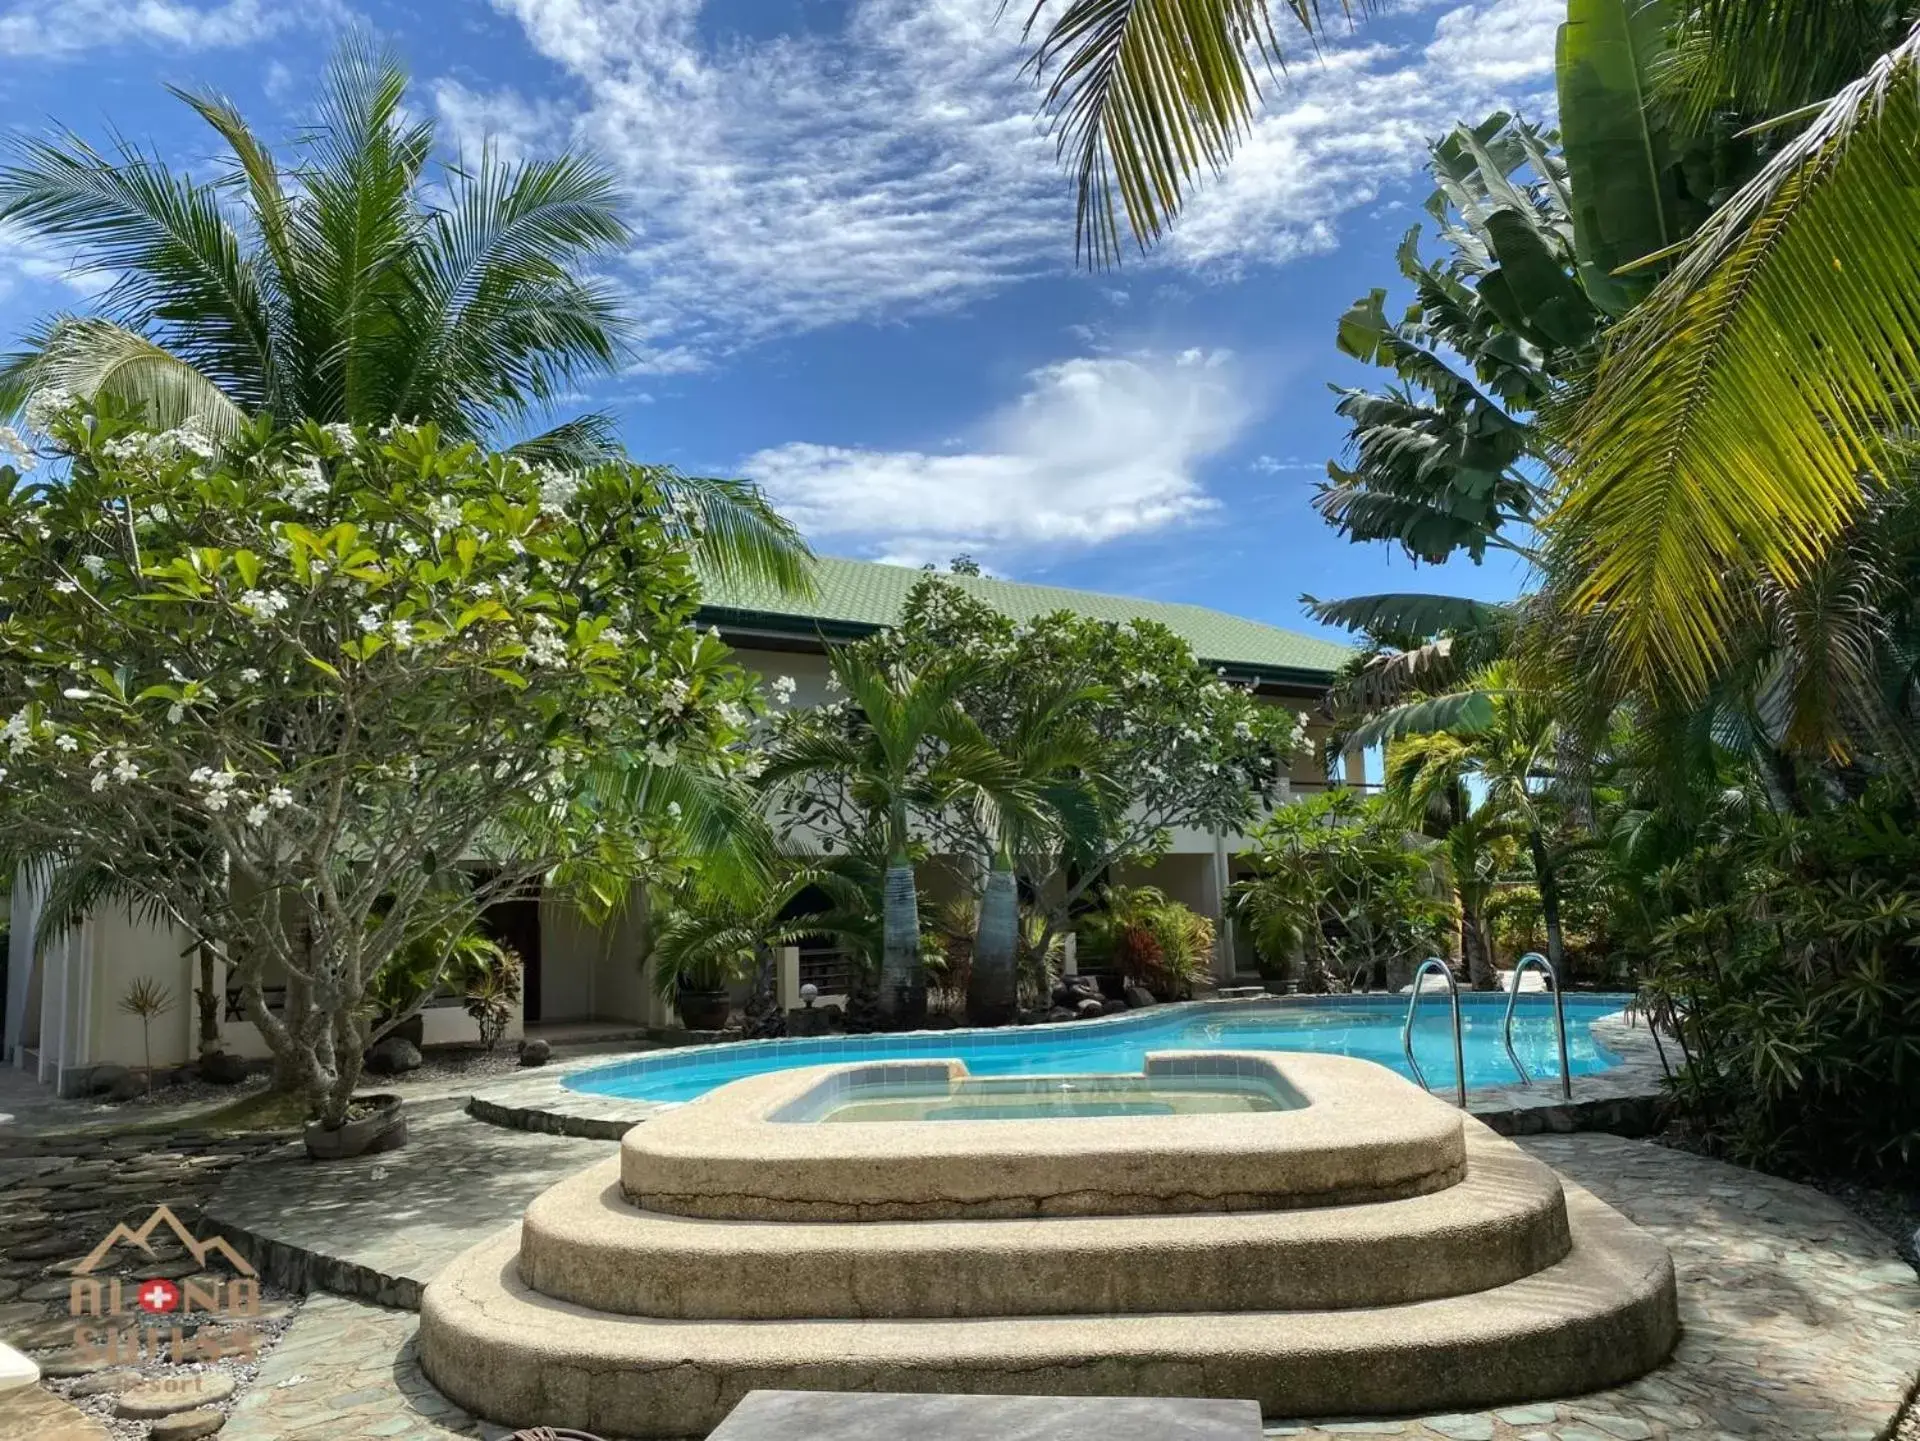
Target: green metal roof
{"type": "Point", "coordinates": [857, 596]}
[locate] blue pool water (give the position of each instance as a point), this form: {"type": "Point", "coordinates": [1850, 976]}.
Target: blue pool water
{"type": "Point", "coordinates": [1364, 1026]}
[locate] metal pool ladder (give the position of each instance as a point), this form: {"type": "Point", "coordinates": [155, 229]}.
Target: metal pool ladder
{"type": "Point", "coordinates": [1534, 958]}
{"type": "Point", "coordinates": [1434, 963]}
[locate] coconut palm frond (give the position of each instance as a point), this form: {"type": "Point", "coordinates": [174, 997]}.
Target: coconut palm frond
{"type": "Point", "coordinates": [1735, 413]}
{"type": "Point", "coordinates": [1145, 95]}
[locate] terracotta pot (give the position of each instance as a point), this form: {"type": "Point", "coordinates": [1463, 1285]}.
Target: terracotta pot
{"type": "Point", "coordinates": [704, 1010]}
{"type": "Point", "coordinates": [382, 1129]}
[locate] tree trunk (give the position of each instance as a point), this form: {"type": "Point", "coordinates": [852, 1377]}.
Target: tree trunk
{"type": "Point", "coordinates": [993, 989]}
{"type": "Point", "coordinates": [209, 1003]}
{"type": "Point", "coordinates": [903, 980]}
{"type": "Point", "coordinates": [1549, 883]}
{"type": "Point", "coordinates": [1477, 949]}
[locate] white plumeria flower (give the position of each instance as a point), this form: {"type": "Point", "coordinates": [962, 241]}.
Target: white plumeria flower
{"type": "Point", "coordinates": [176, 713]}
{"type": "Point", "coordinates": [265, 604]}
{"type": "Point", "coordinates": [125, 771]}
{"type": "Point", "coordinates": [250, 675]}
{"type": "Point", "coordinates": [257, 815]}
{"type": "Point", "coordinates": [402, 633]}
{"type": "Point", "coordinates": [368, 620]}
{"type": "Point", "coordinates": [99, 782]}
{"type": "Point", "coordinates": [47, 406]}
{"type": "Point", "coordinates": [95, 565]}
{"type": "Point", "coordinates": [99, 760]}
{"type": "Point", "coordinates": [65, 586]}
{"type": "Point", "coordinates": [74, 692]}
{"type": "Point", "coordinates": [279, 798]}
{"type": "Point", "coordinates": [783, 689]}
{"type": "Point", "coordinates": [67, 743]}
{"type": "Point", "coordinates": [444, 512]}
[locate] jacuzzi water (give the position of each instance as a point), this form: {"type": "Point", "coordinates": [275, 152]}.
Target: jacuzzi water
{"type": "Point", "coordinates": [1364, 1026]}
{"type": "Point", "coordinates": [1034, 1098]}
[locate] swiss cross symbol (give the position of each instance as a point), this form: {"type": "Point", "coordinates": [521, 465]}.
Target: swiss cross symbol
{"type": "Point", "coordinates": [159, 1296]}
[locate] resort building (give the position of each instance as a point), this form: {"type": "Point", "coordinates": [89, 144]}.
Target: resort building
{"type": "Point", "coordinates": [62, 1016]}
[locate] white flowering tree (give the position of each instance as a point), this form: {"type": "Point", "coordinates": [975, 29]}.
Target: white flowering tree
{"type": "Point", "coordinates": [1165, 741]}
{"type": "Point", "coordinates": [331, 689]}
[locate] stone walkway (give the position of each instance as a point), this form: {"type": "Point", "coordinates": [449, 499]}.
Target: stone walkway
{"type": "Point", "coordinates": [60, 1196]}
{"type": "Point", "coordinates": [377, 1228]}
{"type": "Point", "coordinates": [1800, 1322]}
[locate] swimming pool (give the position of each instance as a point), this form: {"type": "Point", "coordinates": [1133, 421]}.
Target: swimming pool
{"type": "Point", "coordinates": [1363, 1026]}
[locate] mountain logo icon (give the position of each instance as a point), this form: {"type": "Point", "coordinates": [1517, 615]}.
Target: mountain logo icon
{"type": "Point", "coordinates": [142, 1240]}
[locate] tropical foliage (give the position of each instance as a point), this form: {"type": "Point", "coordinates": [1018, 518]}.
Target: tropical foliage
{"type": "Point", "coordinates": [1341, 894]}
{"type": "Point", "coordinates": [1149, 940]}
{"type": "Point", "coordinates": [379, 678]}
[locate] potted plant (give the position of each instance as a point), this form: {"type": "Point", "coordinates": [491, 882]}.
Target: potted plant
{"type": "Point", "coordinates": [374, 1123]}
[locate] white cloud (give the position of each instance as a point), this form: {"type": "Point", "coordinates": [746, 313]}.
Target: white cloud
{"type": "Point", "coordinates": [1096, 449]}
{"type": "Point", "coordinates": [36, 264]}
{"type": "Point", "coordinates": [57, 28]}
{"type": "Point", "coordinates": [1275, 465]}
{"type": "Point", "coordinates": [894, 167]}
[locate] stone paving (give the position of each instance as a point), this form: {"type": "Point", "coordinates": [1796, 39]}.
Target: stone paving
{"type": "Point", "coordinates": [346, 1372]}
{"type": "Point", "coordinates": [60, 1196]}
{"type": "Point", "coordinates": [1801, 1324]}
{"type": "Point", "coordinates": [378, 1227]}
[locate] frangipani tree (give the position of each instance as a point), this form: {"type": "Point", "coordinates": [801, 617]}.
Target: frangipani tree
{"type": "Point", "coordinates": [379, 679]}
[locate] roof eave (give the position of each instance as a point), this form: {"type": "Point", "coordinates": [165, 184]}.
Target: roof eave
{"type": "Point", "coordinates": [773, 630]}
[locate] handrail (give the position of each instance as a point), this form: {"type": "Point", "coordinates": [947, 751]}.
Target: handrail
{"type": "Point", "coordinates": [1432, 963]}
{"type": "Point", "coordinates": [1534, 958]}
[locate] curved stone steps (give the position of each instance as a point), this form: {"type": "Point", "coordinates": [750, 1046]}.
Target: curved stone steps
{"type": "Point", "coordinates": [1602, 1314]}
{"type": "Point", "coordinates": [583, 1241]}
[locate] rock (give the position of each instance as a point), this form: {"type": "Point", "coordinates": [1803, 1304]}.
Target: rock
{"type": "Point", "coordinates": [1139, 998]}
{"type": "Point", "coordinates": [127, 1088]}
{"type": "Point", "coordinates": [103, 1079]}
{"type": "Point", "coordinates": [86, 1362]}
{"type": "Point", "coordinates": [1059, 1013]}
{"type": "Point", "coordinates": [1112, 1008]}
{"type": "Point", "coordinates": [393, 1056]}
{"type": "Point", "coordinates": [47, 1291]}
{"type": "Point", "coordinates": [104, 1383]}
{"type": "Point", "coordinates": [222, 1068]}
{"type": "Point", "coordinates": [535, 1052]}
{"type": "Point", "coordinates": [1090, 1008]}
{"type": "Point", "coordinates": [171, 1394]}
{"type": "Point", "coordinates": [186, 1425]}
{"type": "Point", "coordinates": [1075, 989]}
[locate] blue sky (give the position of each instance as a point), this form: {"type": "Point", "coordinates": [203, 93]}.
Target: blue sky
{"type": "Point", "coordinates": [855, 256]}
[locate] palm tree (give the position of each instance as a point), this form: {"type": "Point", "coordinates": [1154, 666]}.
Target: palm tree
{"type": "Point", "coordinates": [1426, 775]}
{"type": "Point", "coordinates": [1749, 410]}
{"type": "Point", "coordinates": [910, 749]}
{"type": "Point", "coordinates": [353, 285]}
{"type": "Point", "coordinates": [1052, 790]}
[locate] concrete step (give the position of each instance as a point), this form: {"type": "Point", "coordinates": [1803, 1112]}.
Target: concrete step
{"type": "Point", "coordinates": [584, 1242]}
{"type": "Point", "coordinates": [1603, 1314]}
{"type": "Point", "coordinates": [1359, 1134]}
